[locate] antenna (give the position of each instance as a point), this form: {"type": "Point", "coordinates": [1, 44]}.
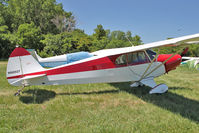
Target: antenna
{"type": "Point", "coordinates": [129, 41]}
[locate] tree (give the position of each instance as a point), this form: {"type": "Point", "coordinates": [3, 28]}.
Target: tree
{"type": "Point", "coordinates": [136, 40]}
{"type": "Point", "coordinates": [29, 36]}
{"type": "Point", "coordinates": [64, 22]}
{"type": "Point", "coordinates": [40, 12]}
{"type": "Point", "coordinates": [7, 42]}
{"type": "Point", "coordinates": [45, 26]}
{"type": "Point", "coordinates": [66, 42]}
{"type": "Point", "coordinates": [118, 35]}
{"type": "Point", "coordinates": [99, 32]}
{"type": "Point", "coordinates": [26, 22]}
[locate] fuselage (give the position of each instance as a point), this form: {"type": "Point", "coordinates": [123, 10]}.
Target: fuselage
{"type": "Point", "coordinates": [102, 69]}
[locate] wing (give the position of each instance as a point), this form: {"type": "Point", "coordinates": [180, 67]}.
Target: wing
{"type": "Point", "coordinates": [171, 42]}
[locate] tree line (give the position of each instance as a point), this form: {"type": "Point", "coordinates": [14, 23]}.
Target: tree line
{"type": "Point", "coordinates": [45, 26]}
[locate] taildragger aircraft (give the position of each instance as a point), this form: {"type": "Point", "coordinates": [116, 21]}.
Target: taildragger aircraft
{"type": "Point", "coordinates": [136, 64]}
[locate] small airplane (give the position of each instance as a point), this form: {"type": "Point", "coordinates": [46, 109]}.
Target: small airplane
{"type": "Point", "coordinates": [192, 61]}
{"type": "Point", "coordinates": [136, 64]}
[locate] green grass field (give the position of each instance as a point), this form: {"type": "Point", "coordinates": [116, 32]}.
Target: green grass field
{"type": "Point", "coordinates": [102, 107]}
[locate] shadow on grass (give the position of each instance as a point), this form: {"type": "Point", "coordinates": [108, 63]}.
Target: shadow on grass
{"type": "Point", "coordinates": [90, 93]}
{"type": "Point", "coordinates": [178, 104]}
{"type": "Point", "coordinates": [37, 96]}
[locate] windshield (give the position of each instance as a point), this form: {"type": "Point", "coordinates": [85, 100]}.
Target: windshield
{"type": "Point", "coordinates": [151, 53]}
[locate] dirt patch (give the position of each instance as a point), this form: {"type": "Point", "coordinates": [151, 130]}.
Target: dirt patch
{"type": "Point", "coordinates": [6, 93]}
{"type": "Point", "coordinates": [3, 62]}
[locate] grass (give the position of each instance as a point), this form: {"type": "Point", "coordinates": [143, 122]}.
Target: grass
{"type": "Point", "coordinates": [102, 107]}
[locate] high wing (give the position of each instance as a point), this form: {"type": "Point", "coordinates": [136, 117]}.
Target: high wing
{"type": "Point", "coordinates": [171, 42]}
{"type": "Point", "coordinates": [161, 88]}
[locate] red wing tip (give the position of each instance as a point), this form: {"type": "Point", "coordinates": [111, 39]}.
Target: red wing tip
{"type": "Point", "coordinates": [19, 52]}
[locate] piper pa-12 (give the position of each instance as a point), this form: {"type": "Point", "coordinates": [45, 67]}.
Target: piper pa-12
{"type": "Point", "coordinates": [136, 64]}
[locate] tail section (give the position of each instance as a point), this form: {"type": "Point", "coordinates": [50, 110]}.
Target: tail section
{"type": "Point", "coordinates": [37, 56]}
{"type": "Point", "coordinates": [20, 65]}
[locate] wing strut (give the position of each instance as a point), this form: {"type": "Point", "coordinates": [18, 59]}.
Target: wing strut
{"type": "Point", "coordinates": [157, 66]}
{"type": "Point", "coordinates": [155, 58]}
{"type": "Point", "coordinates": [161, 88]}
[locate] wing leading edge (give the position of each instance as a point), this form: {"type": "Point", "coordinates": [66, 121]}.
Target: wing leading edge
{"type": "Point", "coordinates": [171, 42]}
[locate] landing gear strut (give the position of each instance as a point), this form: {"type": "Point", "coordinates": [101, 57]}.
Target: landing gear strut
{"type": "Point", "coordinates": [19, 91]}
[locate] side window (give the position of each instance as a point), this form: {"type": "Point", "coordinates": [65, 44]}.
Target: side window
{"type": "Point", "coordinates": [142, 57]}
{"type": "Point", "coordinates": [137, 58]}
{"type": "Point", "coordinates": [121, 60]}
{"type": "Point", "coordinates": [132, 58]}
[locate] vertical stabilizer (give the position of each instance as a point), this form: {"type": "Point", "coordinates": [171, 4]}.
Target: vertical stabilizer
{"type": "Point", "coordinates": [37, 56]}
{"type": "Point", "coordinates": [20, 64]}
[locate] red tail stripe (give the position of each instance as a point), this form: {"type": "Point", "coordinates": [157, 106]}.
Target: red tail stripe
{"type": "Point", "coordinates": [19, 52]}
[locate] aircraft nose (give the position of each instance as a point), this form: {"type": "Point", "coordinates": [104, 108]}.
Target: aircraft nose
{"type": "Point", "coordinates": [172, 63]}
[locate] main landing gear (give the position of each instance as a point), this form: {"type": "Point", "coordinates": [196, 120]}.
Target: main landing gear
{"type": "Point", "coordinates": [156, 89]}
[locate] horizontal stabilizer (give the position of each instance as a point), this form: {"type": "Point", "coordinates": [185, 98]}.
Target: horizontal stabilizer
{"type": "Point", "coordinates": [27, 78]}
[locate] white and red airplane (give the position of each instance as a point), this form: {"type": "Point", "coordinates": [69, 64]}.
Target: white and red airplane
{"type": "Point", "coordinates": [192, 60]}
{"type": "Point", "coordinates": [137, 64]}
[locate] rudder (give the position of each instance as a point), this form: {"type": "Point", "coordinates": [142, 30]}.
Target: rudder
{"type": "Point", "coordinates": [21, 63]}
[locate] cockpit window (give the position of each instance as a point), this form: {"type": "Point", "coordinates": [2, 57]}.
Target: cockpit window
{"type": "Point", "coordinates": [139, 57]}
{"type": "Point", "coordinates": [132, 58]}
{"type": "Point", "coordinates": [121, 60]}
{"type": "Point", "coordinates": [151, 53]}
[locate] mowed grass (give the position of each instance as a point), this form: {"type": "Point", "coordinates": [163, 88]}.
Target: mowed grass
{"type": "Point", "coordinates": [102, 107]}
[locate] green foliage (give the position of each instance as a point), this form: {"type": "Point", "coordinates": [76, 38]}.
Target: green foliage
{"type": "Point", "coordinates": [40, 12]}
{"type": "Point", "coordinates": [43, 25]}
{"type": "Point", "coordinates": [117, 44]}
{"type": "Point", "coordinates": [114, 39]}
{"type": "Point", "coordinates": [77, 40]}
{"type": "Point", "coordinates": [25, 22]}
{"type": "Point", "coordinates": [99, 32]}
{"type": "Point", "coordinates": [66, 42]}
{"type": "Point", "coordinates": [29, 36]}
{"type": "Point", "coordinates": [52, 44]}
{"type": "Point", "coordinates": [99, 44]}
{"type": "Point", "coordinates": [7, 41]}
{"type": "Point", "coordinates": [193, 50]}
{"type": "Point", "coordinates": [136, 40]}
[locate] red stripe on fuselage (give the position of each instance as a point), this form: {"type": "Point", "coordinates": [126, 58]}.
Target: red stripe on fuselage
{"type": "Point", "coordinates": [97, 64]}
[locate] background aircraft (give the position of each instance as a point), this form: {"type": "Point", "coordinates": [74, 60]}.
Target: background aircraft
{"type": "Point", "coordinates": [192, 62]}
